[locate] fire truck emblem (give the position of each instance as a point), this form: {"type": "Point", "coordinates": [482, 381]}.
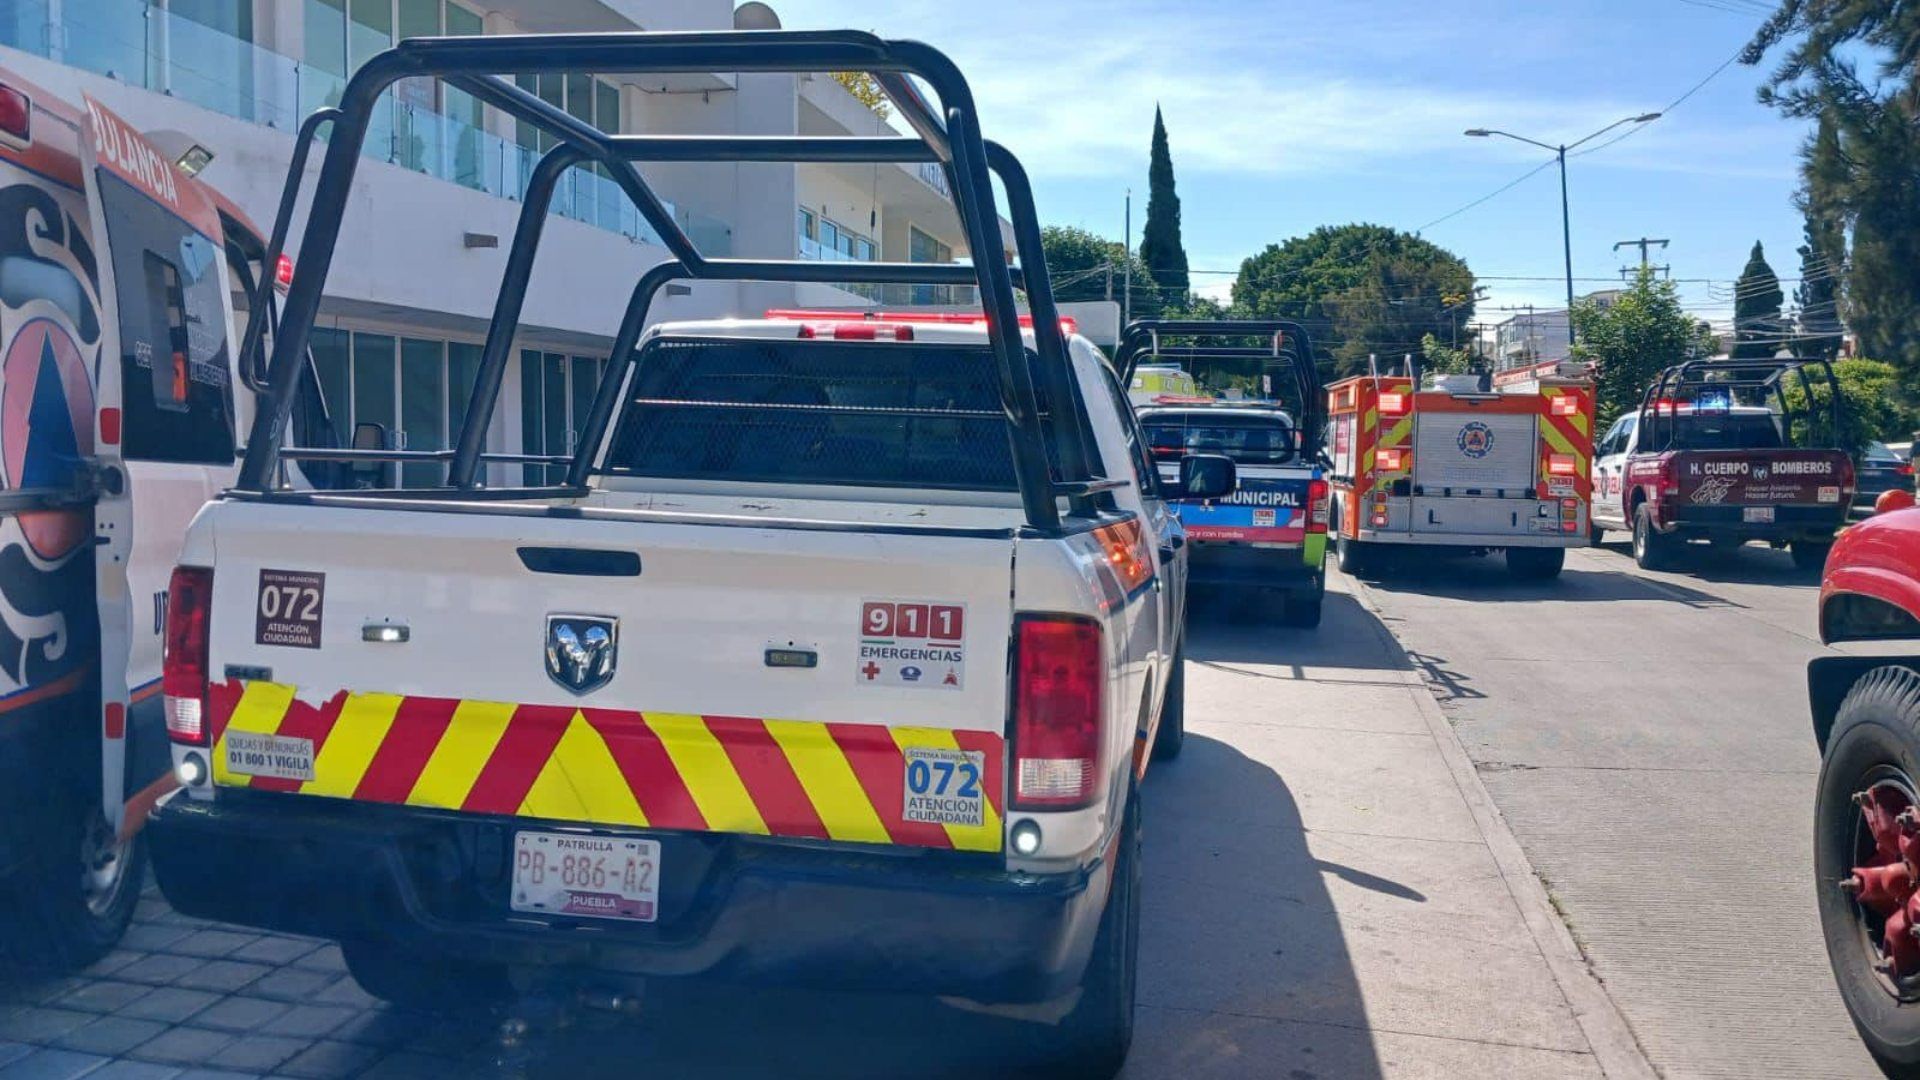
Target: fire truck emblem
{"type": "Point", "coordinates": [581, 650]}
{"type": "Point", "coordinates": [1476, 439]}
{"type": "Point", "coordinates": [1760, 472]}
{"type": "Point", "coordinates": [1713, 490]}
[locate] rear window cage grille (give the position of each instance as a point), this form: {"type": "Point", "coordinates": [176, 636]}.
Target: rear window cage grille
{"type": "Point", "coordinates": [679, 421]}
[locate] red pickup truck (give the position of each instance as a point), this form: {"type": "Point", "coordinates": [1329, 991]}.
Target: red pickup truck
{"type": "Point", "coordinates": [1866, 718]}
{"type": "Point", "coordinates": [1727, 451]}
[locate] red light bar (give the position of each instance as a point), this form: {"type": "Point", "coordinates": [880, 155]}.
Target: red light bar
{"type": "Point", "coordinates": [283, 271]}
{"type": "Point", "coordinates": [1068, 324]}
{"type": "Point", "coordinates": [16, 116]}
{"type": "Point", "coordinates": [856, 331]}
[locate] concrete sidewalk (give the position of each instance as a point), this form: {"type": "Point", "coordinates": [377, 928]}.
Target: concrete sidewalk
{"type": "Point", "coordinates": [1330, 892]}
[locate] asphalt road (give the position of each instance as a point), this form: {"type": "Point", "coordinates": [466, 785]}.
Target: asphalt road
{"type": "Point", "coordinates": [1646, 737]}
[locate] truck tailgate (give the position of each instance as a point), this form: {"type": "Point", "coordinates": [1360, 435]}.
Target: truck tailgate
{"type": "Point", "coordinates": [672, 674]}
{"type": "Point", "coordinates": [1762, 477]}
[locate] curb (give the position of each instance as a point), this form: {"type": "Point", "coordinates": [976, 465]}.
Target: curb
{"type": "Point", "coordinates": [1615, 1049]}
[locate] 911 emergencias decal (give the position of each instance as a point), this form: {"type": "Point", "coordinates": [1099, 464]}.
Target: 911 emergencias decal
{"type": "Point", "coordinates": [916, 644]}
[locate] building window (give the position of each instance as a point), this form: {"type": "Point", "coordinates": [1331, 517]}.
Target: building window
{"type": "Point", "coordinates": [807, 224]}
{"type": "Point", "coordinates": [923, 248]}
{"type": "Point", "coordinates": [556, 392]}
{"type": "Point", "coordinates": [417, 389]}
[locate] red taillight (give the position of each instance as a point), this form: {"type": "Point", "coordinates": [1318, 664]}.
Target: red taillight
{"type": "Point", "coordinates": [1317, 501]}
{"type": "Point", "coordinates": [16, 115]}
{"type": "Point", "coordinates": [1669, 477]}
{"type": "Point", "coordinates": [283, 272]}
{"type": "Point", "coordinates": [1560, 465]}
{"type": "Point", "coordinates": [184, 675]}
{"type": "Point", "coordinates": [1389, 460]}
{"type": "Point", "coordinates": [1058, 675]}
{"type": "Point", "coordinates": [857, 331]}
{"type": "Point", "coordinates": [1565, 405]}
{"type": "Point", "coordinates": [1393, 404]}
{"type": "Point", "coordinates": [1905, 468]}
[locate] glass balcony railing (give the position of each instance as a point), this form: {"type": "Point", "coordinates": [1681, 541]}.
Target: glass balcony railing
{"type": "Point", "coordinates": [144, 45]}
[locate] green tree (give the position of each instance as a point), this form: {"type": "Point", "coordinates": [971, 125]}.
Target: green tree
{"type": "Point", "coordinates": [1757, 326]}
{"type": "Point", "coordinates": [1870, 405]}
{"type": "Point", "coordinates": [1444, 359]}
{"type": "Point", "coordinates": [1861, 170]}
{"type": "Point", "coordinates": [1632, 340]}
{"type": "Point", "coordinates": [866, 90]}
{"type": "Point", "coordinates": [1160, 246]}
{"type": "Point", "coordinates": [1816, 300]}
{"type": "Point", "coordinates": [1078, 262]}
{"type": "Point", "coordinates": [1360, 290]}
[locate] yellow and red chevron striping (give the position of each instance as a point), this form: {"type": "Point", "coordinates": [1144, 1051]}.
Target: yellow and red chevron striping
{"type": "Point", "coordinates": [827, 781]}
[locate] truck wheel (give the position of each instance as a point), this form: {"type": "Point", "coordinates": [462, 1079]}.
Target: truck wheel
{"type": "Point", "coordinates": [1172, 733]}
{"type": "Point", "coordinates": [1811, 554]}
{"type": "Point", "coordinates": [1099, 1030]}
{"type": "Point", "coordinates": [1536, 564]}
{"type": "Point", "coordinates": [1351, 556]}
{"type": "Point", "coordinates": [75, 895]}
{"type": "Point", "coordinates": [414, 980]}
{"type": "Point", "coordinates": [1652, 549]}
{"type": "Point", "coordinates": [1596, 535]}
{"type": "Point", "coordinates": [1867, 781]}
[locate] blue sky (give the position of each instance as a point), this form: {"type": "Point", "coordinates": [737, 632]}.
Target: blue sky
{"type": "Point", "coordinates": [1284, 115]}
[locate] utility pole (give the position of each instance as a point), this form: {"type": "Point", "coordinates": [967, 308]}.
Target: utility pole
{"type": "Point", "coordinates": [1126, 244]}
{"type": "Point", "coordinates": [1643, 244]}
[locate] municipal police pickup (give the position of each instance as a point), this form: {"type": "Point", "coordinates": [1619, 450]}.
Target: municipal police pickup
{"type": "Point", "coordinates": [826, 664]}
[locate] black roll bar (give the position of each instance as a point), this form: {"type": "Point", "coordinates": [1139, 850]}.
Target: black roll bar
{"type": "Point", "coordinates": [1764, 374]}
{"type": "Point", "coordinates": [950, 138]}
{"type": "Point", "coordinates": [1288, 341]}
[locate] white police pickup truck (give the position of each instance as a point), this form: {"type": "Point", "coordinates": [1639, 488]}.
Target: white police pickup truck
{"type": "Point", "coordinates": [836, 661]}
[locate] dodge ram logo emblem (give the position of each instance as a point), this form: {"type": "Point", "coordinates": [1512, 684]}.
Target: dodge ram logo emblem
{"type": "Point", "coordinates": [581, 650]}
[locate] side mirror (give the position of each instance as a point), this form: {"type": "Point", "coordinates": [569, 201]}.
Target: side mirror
{"type": "Point", "coordinates": [369, 436]}
{"type": "Point", "coordinates": [1206, 476]}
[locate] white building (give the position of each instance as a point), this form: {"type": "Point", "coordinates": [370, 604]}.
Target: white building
{"type": "Point", "coordinates": [439, 192]}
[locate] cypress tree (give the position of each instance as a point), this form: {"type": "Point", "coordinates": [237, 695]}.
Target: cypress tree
{"type": "Point", "coordinates": [1817, 298]}
{"type": "Point", "coordinates": [1160, 246]}
{"type": "Point", "coordinates": [1756, 309]}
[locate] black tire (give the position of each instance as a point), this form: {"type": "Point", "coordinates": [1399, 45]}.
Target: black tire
{"type": "Point", "coordinates": [75, 894]}
{"type": "Point", "coordinates": [1876, 732]}
{"type": "Point", "coordinates": [1596, 535]}
{"type": "Point", "coordinates": [1652, 549]}
{"type": "Point", "coordinates": [1172, 733]}
{"type": "Point", "coordinates": [1536, 564]}
{"type": "Point", "coordinates": [428, 983]}
{"type": "Point", "coordinates": [1099, 1031]}
{"type": "Point", "coordinates": [1351, 556]}
{"type": "Point", "coordinates": [1810, 554]}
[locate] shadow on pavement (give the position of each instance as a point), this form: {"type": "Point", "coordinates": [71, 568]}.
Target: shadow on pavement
{"type": "Point", "coordinates": [1218, 634]}
{"type": "Point", "coordinates": [1749, 564]}
{"type": "Point", "coordinates": [1465, 577]}
{"type": "Point", "coordinates": [1245, 970]}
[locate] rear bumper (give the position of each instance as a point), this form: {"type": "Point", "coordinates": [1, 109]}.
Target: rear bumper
{"type": "Point", "coordinates": [1226, 563]}
{"type": "Point", "coordinates": [1818, 523]}
{"type": "Point", "coordinates": [1489, 541]}
{"type": "Point", "coordinates": [731, 907]}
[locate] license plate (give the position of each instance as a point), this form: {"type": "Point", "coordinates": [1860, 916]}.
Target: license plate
{"type": "Point", "coordinates": [597, 876]}
{"type": "Point", "coordinates": [1758, 515]}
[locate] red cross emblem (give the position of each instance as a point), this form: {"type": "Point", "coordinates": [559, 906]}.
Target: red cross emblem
{"type": "Point", "coordinates": [871, 671]}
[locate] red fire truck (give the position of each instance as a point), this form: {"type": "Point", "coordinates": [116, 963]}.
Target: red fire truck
{"type": "Point", "coordinates": [1452, 465]}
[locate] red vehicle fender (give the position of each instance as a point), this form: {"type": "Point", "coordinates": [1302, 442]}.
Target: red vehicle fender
{"type": "Point", "coordinates": [1879, 559]}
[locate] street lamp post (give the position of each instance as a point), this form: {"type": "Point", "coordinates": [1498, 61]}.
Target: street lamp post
{"type": "Point", "coordinates": [1566, 217]}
